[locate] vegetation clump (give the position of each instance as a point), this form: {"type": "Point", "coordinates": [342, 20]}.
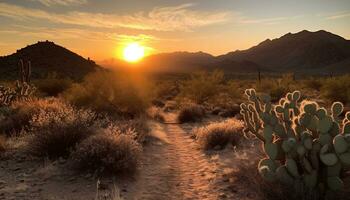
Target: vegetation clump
{"type": "Point", "coordinates": [202, 86]}
{"type": "Point", "coordinates": [111, 151]}
{"type": "Point", "coordinates": [55, 133]}
{"type": "Point", "coordinates": [306, 146]}
{"type": "Point", "coordinates": [219, 134]}
{"type": "Point", "coordinates": [123, 95]}
{"type": "Point", "coordinates": [191, 113]}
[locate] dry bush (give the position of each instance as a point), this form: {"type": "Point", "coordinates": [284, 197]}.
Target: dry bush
{"type": "Point", "coordinates": [112, 151]}
{"type": "Point", "coordinates": [17, 117]}
{"type": "Point", "coordinates": [219, 134]}
{"type": "Point", "coordinates": [55, 133]}
{"type": "Point", "coordinates": [52, 86]}
{"type": "Point", "coordinates": [138, 126]}
{"type": "Point", "coordinates": [337, 89]}
{"type": "Point", "coordinates": [277, 88]}
{"type": "Point", "coordinates": [202, 86]}
{"type": "Point", "coordinates": [191, 113]}
{"type": "Point", "coordinates": [156, 114]}
{"type": "Point", "coordinates": [120, 94]}
{"type": "Point", "coordinates": [314, 83]}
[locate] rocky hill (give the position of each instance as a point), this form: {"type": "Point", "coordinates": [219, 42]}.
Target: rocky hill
{"type": "Point", "coordinates": [46, 58]}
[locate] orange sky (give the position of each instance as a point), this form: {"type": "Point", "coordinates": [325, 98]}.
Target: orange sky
{"type": "Point", "coordinates": [100, 29]}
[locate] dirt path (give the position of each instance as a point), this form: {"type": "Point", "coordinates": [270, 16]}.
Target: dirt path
{"type": "Point", "coordinates": [174, 167]}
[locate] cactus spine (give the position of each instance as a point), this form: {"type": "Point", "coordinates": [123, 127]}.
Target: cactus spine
{"type": "Point", "coordinates": [304, 144]}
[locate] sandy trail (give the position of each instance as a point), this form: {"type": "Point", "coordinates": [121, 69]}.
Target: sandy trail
{"type": "Point", "coordinates": [174, 167]}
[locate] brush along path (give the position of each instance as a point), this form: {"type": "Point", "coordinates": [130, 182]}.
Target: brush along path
{"type": "Point", "coordinates": [174, 167]}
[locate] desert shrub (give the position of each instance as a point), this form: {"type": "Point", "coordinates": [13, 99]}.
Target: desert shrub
{"type": "Point", "coordinates": [314, 83]}
{"type": "Point", "coordinates": [111, 151]}
{"type": "Point", "coordinates": [17, 116]}
{"type": "Point", "coordinates": [156, 114]}
{"type": "Point", "coordinates": [191, 113]}
{"type": "Point", "coordinates": [202, 86]}
{"type": "Point", "coordinates": [138, 126]}
{"type": "Point", "coordinates": [117, 94]}
{"type": "Point", "coordinates": [165, 90]}
{"type": "Point", "coordinates": [55, 133]}
{"type": "Point", "coordinates": [52, 86]}
{"type": "Point", "coordinates": [219, 134]}
{"type": "Point", "coordinates": [276, 88]}
{"type": "Point", "coordinates": [337, 89]}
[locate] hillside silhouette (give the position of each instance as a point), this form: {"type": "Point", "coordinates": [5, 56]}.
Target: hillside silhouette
{"type": "Point", "coordinates": [305, 51]}
{"type": "Point", "coordinates": [46, 57]}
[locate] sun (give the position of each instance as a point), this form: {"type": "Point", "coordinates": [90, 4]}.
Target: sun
{"type": "Point", "coordinates": [133, 52]}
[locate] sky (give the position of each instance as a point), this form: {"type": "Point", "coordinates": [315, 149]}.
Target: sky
{"type": "Point", "coordinates": [99, 29]}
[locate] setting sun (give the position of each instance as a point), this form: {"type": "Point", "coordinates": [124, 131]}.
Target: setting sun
{"type": "Point", "coordinates": [133, 52]}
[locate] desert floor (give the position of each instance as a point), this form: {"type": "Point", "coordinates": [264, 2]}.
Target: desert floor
{"type": "Point", "coordinates": [173, 167]}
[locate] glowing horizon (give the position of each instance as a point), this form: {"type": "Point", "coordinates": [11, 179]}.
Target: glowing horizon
{"type": "Point", "coordinates": [101, 30]}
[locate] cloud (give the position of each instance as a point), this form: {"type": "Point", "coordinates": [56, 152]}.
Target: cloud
{"type": "Point", "coordinates": [50, 3]}
{"type": "Point", "coordinates": [266, 21]}
{"type": "Point", "coordinates": [339, 15]}
{"type": "Point", "coordinates": [177, 18]}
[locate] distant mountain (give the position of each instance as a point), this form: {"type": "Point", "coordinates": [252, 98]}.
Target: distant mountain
{"type": "Point", "coordinates": [178, 61]}
{"type": "Point", "coordinates": [47, 57]}
{"type": "Point", "coordinates": [303, 51]}
{"type": "Point", "coordinates": [314, 52]}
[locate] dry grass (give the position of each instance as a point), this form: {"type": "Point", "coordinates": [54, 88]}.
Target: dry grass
{"type": "Point", "coordinates": [17, 117]}
{"type": "Point", "coordinates": [219, 134]}
{"type": "Point", "coordinates": [112, 151]}
{"type": "Point", "coordinates": [202, 86]}
{"type": "Point", "coordinates": [191, 113]}
{"type": "Point", "coordinates": [337, 89]}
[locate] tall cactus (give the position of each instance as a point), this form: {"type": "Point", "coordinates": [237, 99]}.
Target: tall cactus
{"type": "Point", "coordinates": [24, 71]}
{"type": "Point", "coordinates": [23, 90]}
{"type": "Point", "coordinates": [305, 145]}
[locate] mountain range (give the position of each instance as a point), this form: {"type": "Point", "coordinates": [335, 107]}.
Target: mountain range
{"type": "Point", "coordinates": [305, 51]}
{"type": "Point", "coordinates": [319, 52]}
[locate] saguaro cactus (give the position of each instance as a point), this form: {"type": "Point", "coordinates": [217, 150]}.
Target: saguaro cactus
{"type": "Point", "coordinates": [24, 71]}
{"type": "Point", "coordinates": [305, 145]}
{"type": "Point", "coordinates": [23, 89]}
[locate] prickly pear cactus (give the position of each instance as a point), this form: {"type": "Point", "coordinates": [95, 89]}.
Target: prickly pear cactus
{"type": "Point", "coordinates": [303, 142]}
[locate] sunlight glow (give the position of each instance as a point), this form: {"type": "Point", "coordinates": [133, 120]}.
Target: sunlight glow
{"type": "Point", "coordinates": [133, 52]}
